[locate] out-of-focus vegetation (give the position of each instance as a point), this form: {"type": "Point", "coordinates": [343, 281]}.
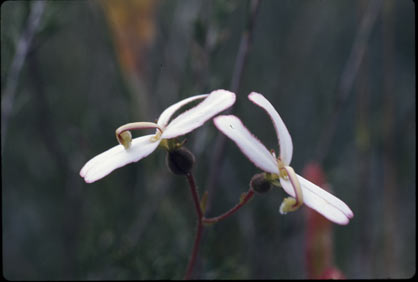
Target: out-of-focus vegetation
{"type": "Point", "coordinates": [92, 66]}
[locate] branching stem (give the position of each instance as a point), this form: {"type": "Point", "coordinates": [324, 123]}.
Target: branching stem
{"type": "Point", "coordinates": [248, 196]}
{"type": "Point", "coordinates": [201, 219]}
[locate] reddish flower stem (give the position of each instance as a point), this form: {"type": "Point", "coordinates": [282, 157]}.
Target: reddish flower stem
{"type": "Point", "coordinates": [242, 202]}
{"type": "Point", "coordinates": [201, 219]}
{"type": "Point", "coordinates": [199, 228]}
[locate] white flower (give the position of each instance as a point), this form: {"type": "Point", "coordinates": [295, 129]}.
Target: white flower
{"type": "Point", "coordinates": [132, 150]}
{"type": "Point", "coordinates": [278, 168]}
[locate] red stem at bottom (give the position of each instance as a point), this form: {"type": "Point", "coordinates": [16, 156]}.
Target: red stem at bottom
{"type": "Point", "coordinates": [201, 219]}
{"type": "Point", "coordinates": [199, 228]}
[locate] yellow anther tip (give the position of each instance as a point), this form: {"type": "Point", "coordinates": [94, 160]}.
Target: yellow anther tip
{"type": "Point", "coordinates": [125, 139]}
{"type": "Point", "coordinates": [289, 205]}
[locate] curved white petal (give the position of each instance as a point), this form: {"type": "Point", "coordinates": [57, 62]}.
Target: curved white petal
{"type": "Point", "coordinates": [315, 189]}
{"type": "Point", "coordinates": [287, 187]}
{"type": "Point", "coordinates": [104, 163]}
{"type": "Point", "coordinates": [166, 115]}
{"type": "Point", "coordinates": [216, 102]}
{"type": "Point", "coordinates": [232, 127]}
{"type": "Point", "coordinates": [285, 140]}
{"type": "Point", "coordinates": [320, 200]}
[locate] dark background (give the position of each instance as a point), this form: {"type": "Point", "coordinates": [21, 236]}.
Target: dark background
{"type": "Point", "coordinates": [91, 66]}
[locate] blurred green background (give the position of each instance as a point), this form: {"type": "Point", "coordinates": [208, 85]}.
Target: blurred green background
{"type": "Point", "coordinates": [91, 66]}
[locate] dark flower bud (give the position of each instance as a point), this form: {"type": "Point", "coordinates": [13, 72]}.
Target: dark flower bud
{"type": "Point", "coordinates": [259, 183]}
{"type": "Point", "coordinates": [180, 161]}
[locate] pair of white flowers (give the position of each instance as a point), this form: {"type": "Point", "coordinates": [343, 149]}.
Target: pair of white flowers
{"type": "Point", "coordinates": [276, 167]}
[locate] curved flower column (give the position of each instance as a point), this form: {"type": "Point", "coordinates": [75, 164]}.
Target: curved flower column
{"type": "Point", "coordinates": [132, 150]}
{"type": "Point", "coordinates": [278, 168]}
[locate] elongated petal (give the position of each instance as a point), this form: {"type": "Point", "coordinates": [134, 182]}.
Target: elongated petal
{"type": "Point", "coordinates": [250, 146]}
{"type": "Point", "coordinates": [315, 189]}
{"type": "Point", "coordinates": [284, 138]}
{"type": "Point", "coordinates": [320, 200]}
{"type": "Point", "coordinates": [216, 102]}
{"type": "Point", "coordinates": [166, 115]}
{"type": "Point", "coordinates": [116, 157]}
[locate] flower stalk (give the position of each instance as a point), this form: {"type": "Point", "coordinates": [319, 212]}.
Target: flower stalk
{"type": "Point", "coordinates": [244, 199]}
{"type": "Point", "coordinates": [199, 227]}
{"type": "Point", "coordinates": [201, 220]}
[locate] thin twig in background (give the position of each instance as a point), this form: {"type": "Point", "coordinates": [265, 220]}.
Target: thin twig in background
{"type": "Point", "coordinates": [240, 62]}
{"type": "Point", "coordinates": [216, 160]}
{"type": "Point", "coordinates": [172, 71]}
{"type": "Point", "coordinates": [148, 209]}
{"type": "Point", "coordinates": [391, 200]}
{"type": "Point", "coordinates": [23, 45]}
{"type": "Point", "coordinates": [49, 135]}
{"type": "Point", "coordinates": [347, 77]}
{"type": "Point", "coordinates": [363, 169]}
{"type": "Point", "coordinates": [245, 44]}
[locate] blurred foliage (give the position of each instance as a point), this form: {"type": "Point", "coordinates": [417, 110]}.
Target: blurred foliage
{"type": "Point", "coordinates": [95, 65]}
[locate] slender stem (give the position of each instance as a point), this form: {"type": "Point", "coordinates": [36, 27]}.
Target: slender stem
{"type": "Point", "coordinates": [22, 49]}
{"type": "Point", "coordinates": [201, 219]}
{"type": "Point", "coordinates": [192, 260]}
{"type": "Point", "coordinates": [242, 202]}
{"type": "Point", "coordinates": [195, 195]}
{"type": "Point", "coordinates": [348, 76]}
{"type": "Point", "coordinates": [199, 227]}
{"type": "Point", "coordinates": [239, 66]}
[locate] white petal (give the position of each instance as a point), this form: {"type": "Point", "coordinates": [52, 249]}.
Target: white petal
{"type": "Point", "coordinates": [166, 115]}
{"type": "Point", "coordinates": [232, 127]}
{"type": "Point", "coordinates": [216, 102]}
{"type": "Point", "coordinates": [320, 200]}
{"type": "Point", "coordinates": [104, 163]}
{"type": "Point", "coordinates": [315, 189]}
{"type": "Point", "coordinates": [285, 141]}
{"type": "Point", "coordinates": [287, 187]}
